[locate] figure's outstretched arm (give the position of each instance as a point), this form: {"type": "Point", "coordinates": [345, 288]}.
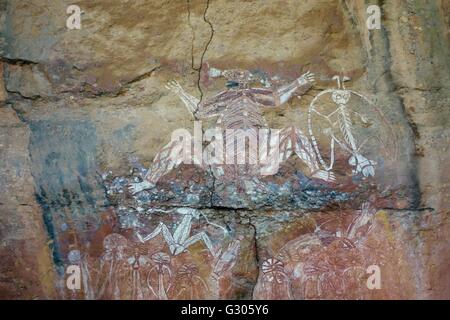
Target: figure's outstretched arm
{"type": "Point", "coordinates": [191, 102]}
{"type": "Point", "coordinates": [284, 93]}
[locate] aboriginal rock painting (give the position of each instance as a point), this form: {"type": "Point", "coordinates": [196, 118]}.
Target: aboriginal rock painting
{"type": "Point", "coordinates": [127, 269]}
{"type": "Point", "coordinates": [240, 107]}
{"type": "Point", "coordinates": [165, 242]}
{"type": "Point", "coordinates": [354, 129]}
{"type": "Point", "coordinates": [329, 262]}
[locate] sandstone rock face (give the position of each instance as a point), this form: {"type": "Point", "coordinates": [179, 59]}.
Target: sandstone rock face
{"type": "Point", "coordinates": [85, 112]}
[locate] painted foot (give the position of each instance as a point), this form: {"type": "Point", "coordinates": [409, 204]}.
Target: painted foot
{"type": "Point", "coordinates": [362, 165]}
{"type": "Point", "coordinates": [140, 186]}
{"type": "Point", "coordinates": [324, 175]}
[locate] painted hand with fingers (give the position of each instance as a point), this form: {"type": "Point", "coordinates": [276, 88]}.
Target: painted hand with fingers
{"type": "Point", "coordinates": [307, 78]}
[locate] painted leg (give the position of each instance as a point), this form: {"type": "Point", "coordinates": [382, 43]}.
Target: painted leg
{"type": "Point", "coordinates": [204, 237]}
{"type": "Point", "coordinates": [171, 156]}
{"type": "Point", "coordinates": [304, 149]}
{"type": "Point", "coordinates": [160, 228]}
{"type": "Point", "coordinates": [273, 150]}
{"type": "Point", "coordinates": [362, 165]}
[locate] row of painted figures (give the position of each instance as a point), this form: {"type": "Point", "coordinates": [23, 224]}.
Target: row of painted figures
{"type": "Point", "coordinates": [319, 264]}
{"type": "Point", "coordinates": [125, 271]}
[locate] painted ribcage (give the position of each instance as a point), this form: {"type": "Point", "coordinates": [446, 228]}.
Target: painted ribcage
{"type": "Point", "coordinates": [242, 113]}
{"type": "Point", "coordinates": [244, 116]}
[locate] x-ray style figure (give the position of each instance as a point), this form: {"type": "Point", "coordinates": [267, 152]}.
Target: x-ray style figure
{"type": "Point", "coordinates": [339, 121]}
{"type": "Point", "coordinates": [239, 107]}
{"type": "Point", "coordinates": [180, 240]}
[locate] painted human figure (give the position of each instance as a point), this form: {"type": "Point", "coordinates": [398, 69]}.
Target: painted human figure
{"type": "Point", "coordinates": [181, 238]}
{"type": "Point", "coordinates": [113, 266]}
{"type": "Point", "coordinates": [340, 123]}
{"type": "Point", "coordinates": [274, 282]}
{"type": "Point", "coordinates": [239, 107]}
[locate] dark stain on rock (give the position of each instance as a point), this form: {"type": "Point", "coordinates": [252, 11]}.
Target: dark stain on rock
{"type": "Point", "coordinates": [63, 156]}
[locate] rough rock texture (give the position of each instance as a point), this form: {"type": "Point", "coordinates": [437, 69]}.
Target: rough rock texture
{"type": "Point", "coordinates": [82, 109]}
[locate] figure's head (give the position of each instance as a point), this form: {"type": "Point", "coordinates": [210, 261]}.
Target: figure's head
{"type": "Point", "coordinates": [341, 96]}
{"type": "Point", "coordinates": [236, 78]}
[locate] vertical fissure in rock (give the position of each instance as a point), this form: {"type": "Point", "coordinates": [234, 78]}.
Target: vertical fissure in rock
{"type": "Point", "coordinates": [255, 248]}
{"type": "Point", "coordinates": [200, 66]}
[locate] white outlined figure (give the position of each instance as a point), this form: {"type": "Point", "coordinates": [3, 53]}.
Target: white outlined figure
{"type": "Point", "coordinates": [324, 263]}
{"type": "Point", "coordinates": [137, 262]}
{"type": "Point", "coordinates": [339, 120]}
{"type": "Point", "coordinates": [161, 266]}
{"type": "Point", "coordinates": [189, 284]}
{"type": "Point", "coordinates": [240, 107]}
{"type": "Point", "coordinates": [273, 281]}
{"type": "Point", "coordinates": [180, 240]}
{"type": "Point", "coordinates": [113, 261]}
